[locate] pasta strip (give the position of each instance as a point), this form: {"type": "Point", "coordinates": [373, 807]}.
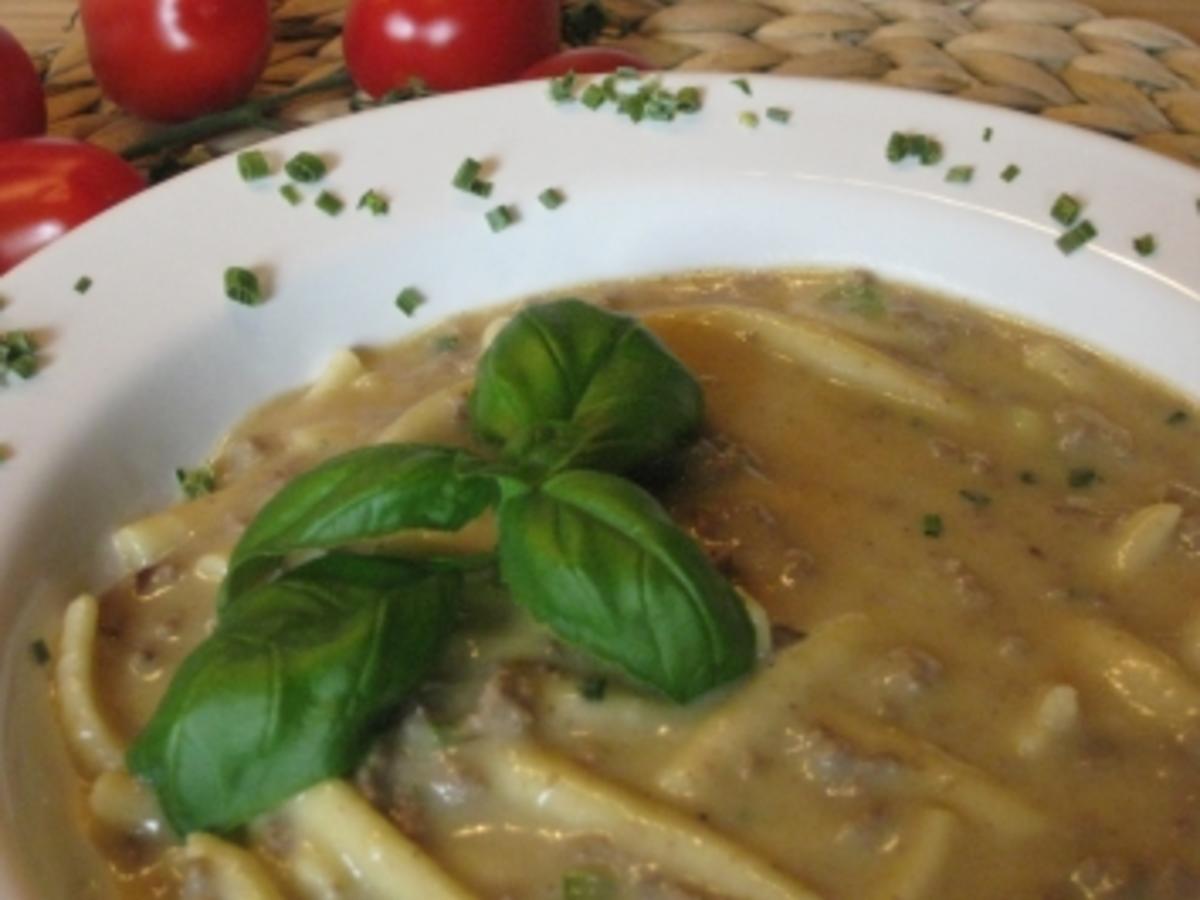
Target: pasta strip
{"type": "Point", "coordinates": [557, 790]}
{"type": "Point", "coordinates": [758, 709]}
{"type": "Point", "coordinates": [1145, 680]}
{"type": "Point", "coordinates": [937, 775]}
{"type": "Point", "coordinates": [94, 742]}
{"type": "Point", "coordinates": [232, 873]}
{"type": "Point", "coordinates": [923, 853]}
{"type": "Point", "coordinates": [335, 820]}
{"type": "Point", "coordinates": [1143, 537]}
{"type": "Point", "coordinates": [834, 355]}
{"type": "Point", "coordinates": [341, 369]}
{"type": "Point", "coordinates": [433, 419]}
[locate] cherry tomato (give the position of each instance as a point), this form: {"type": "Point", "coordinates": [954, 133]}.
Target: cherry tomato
{"type": "Point", "coordinates": [170, 60]}
{"type": "Point", "coordinates": [585, 61]}
{"type": "Point", "coordinates": [22, 104]}
{"type": "Point", "coordinates": [49, 185]}
{"type": "Point", "coordinates": [448, 44]}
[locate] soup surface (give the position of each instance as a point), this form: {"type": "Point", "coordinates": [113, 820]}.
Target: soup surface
{"type": "Point", "coordinates": [976, 551]}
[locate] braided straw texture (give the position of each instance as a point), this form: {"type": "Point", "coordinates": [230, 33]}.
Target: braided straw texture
{"type": "Point", "coordinates": [1130, 78]}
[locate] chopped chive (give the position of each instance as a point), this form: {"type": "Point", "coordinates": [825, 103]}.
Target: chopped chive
{"type": "Point", "coordinates": [551, 198]}
{"type": "Point", "coordinates": [408, 300]}
{"type": "Point", "coordinates": [960, 174]}
{"type": "Point", "coordinates": [330, 204]}
{"type": "Point", "coordinates": [196, 482]}
{"type": "Point", "coordinates": [609, 86]}
{"type": "Point", "coordinates": [1028, 476]}
{"type": "Point", "coordinates": [1077, 237]}
{"type": "Point", "coordinates": [987, 133]}
{"type": "Point", "coordinates": [18, 354]}
{"type": "Point", "coordinates": [480, 188]}
{"type": "Point", "coordinates": [1081, 477]}
{"type": "Point", "coordinates": [588, 884]}
{"type": "Point", "coordinates": [306, 167]}
{"type": "Point", "coordinates": [1145, 244]}
{"type": "Point", "coordinates": [41, 652]}
{"type": "Point", "coordinates": [928, 150]}
{"type": "Point", "coordinates": [593, 688]}
{"type": "Point", "coordinates": [897, 146]}
{"type": "Point", "coordinates": [749, 119]}
{"type": "Point", "coordinates": [1178, 417]}
{"type": "Point", "coordinates": [1011, 171]}
{"type": "Point", "coordinates": [444, 343]}
{"type": "Point", "coordinates": [779, 114]}
{"type": "Point", "coordinates": [742, 85]}
{"type": "Point", "coordinates": [374, 202]}
{"type": "Point", "coordinates": [688, 100]}
{"type": "Point", "coordinates": [499, 218]}
{"type": "Point", "coordinates": [593, 96]}
{"type": "Point", "coordinates": [931, 525]}
{"type": "Point", "coordinates": [467, 173]}
{"type": "Point", "coordinates": [627, 73]}
{"type": "Point", "coordinates": [291, 194]}
{"type": "Point", "coordinates": [977, 499]}
{"type": "Point", "coordinates": [1065, 210]}
{"type": "Point", "coordinates": [83, 285]}
{"type": "Point", "coordinates": [241, 286]}
{"type": "Point", "coordinates": [252, 165]}
{"type": "Point", "coordinates": [562, 88]}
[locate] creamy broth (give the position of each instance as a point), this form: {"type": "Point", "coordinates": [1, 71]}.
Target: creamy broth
{"type": "Point", "coordinates": [976, 546]}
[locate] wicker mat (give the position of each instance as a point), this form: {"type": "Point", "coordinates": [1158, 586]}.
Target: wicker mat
{"type": "Point", "coordinates": [1130, 78]}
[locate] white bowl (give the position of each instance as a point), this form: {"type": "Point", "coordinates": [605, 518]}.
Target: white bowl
{"type": "Point", "coordinates": [145, 371]}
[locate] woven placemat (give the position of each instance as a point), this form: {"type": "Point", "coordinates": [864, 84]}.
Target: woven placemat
{"type": "Point", "coordinates": [1130, 78]}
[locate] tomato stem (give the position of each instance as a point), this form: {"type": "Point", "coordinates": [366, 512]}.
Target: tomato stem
{"type": "Point", "coordinates": [251, 113]}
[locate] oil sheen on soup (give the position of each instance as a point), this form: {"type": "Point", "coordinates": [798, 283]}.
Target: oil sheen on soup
{"type": "Point", "coordinates": [973, 555]}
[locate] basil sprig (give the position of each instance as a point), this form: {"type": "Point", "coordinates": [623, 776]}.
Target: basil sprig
{"type": "Point", "coordinates": [567, 384]}
{"type": "Point", "coordinates": [598, 559]}
{"type": "Point", "coordinates": [305, 661]}
{"type": "Point", "coordinates": [287, 689]}
{"type": "Point", "coordinates": [366, 493]}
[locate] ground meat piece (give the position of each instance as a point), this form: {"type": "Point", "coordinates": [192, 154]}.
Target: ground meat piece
{"type": "Point", "coordinates": [154, 579]}
{"type": "Point", "coordinates": [905, 673]}
{"type": "Point", "coordinates": [839, 768]}
{"type": "Point", "coordinates": [966, 583]}
{"type": "Point", "coordinates": [1106, 878]}
{"type": "Point", "coordinates": [505, 704]}
{"type": "Point", "coordinates": [1084, 431]}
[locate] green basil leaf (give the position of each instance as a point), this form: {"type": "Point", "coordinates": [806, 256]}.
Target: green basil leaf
{"type": "Point", "coordinates": [288, 689]}
{"type": "Point", "coordinates": [569, 384]}
{"type": "Point", "coordinates": [599, 561]}
{"type": "Point", "coordinates": [366, 493]}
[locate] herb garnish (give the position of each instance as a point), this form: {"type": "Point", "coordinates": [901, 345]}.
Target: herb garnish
{"type": "Point", "coordinates": [978, 499]}
{"type": "Point", "coordinates": [408, 300]}
{"type": "Point", "coordinates": [40, 651]}
{"type": "Point", "coordinates": [588, 884]}
{"type": "Point", "coordinates": [241, 286]}
{"type": "Point", "coordinates": [779, 114]}
{"type": "Point", "coordinates": [83, 284]}
{"type": "Point", "coordinates": [305, 167]}
{"type": "Point", "coordinates": [749, 119]}
{"type": "Point", "coordinates": [960, 174]}
{"type": "Point", "coordinates": [1081, 477]}
{"type": "Point", "coordinates": [569, 396]}
{"type": "Point", "coordinates": [593, 688]}
{"type": "Point", "coordinates": [374, 202]}
{"type": "Point", "coordinates": [1011, 171]}
{"type": "Point", "coordinates": [329, 203]}
{"type": "Point", "coordinates": [1077, 237]}
{"type": "Point", "coordinates": [931, 525]}
{"type": "Point", "coordinates": [197, 482]}
{"type": "Point", "coordinates": [1066, 209]}
{"type": "Point", "coordinates": [926, 149]}
{"type": "Point", "coordinates": [562, 88]}
{"type": "Point", "coordinates": [987, 133]}
{"type": "Point", "coordinates": [742, 85]}
{"type": "Point", "coordinates": [551, 198]}
{"type": "Point", "coordinates": [500, 217]}
{"type": "Point", "coordinates": [1178, 417]}
{"type": "Point", "coordinates": [1145, 244]}
{"type": "Point", "coordinates": [252, 165]}
{"type": "Point", "coordinates": [291, 194]}
{"type": "Point", "coordinates": [18, 354]}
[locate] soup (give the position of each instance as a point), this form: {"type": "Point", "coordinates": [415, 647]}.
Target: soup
{"type": "Point", "coordinates": [969, 553]}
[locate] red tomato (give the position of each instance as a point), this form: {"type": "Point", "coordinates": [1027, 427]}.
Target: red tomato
{"type": "Point", "coordinates": [48, 186]}
{"type": "Point", "coordinates": [585, 61]}
{"type": "Point", "coordinates": [22, 104]}
{"type": "Point", "coordinates": [170, 60]}
{"type": "Point", "coordinates": [449, 44]}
